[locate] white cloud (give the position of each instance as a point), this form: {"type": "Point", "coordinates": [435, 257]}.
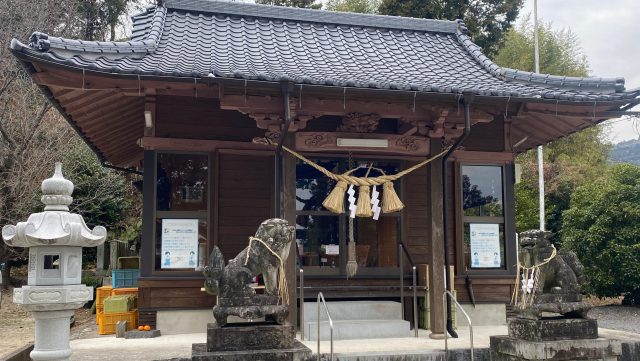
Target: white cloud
{"type": "Point", "coordinates": [608, 32]}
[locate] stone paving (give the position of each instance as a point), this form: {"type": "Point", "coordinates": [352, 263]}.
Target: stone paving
{"type": "Point", "coordinates": [179, 346]}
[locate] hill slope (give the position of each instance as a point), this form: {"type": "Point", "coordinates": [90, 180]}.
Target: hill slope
{"type": "Point", "coordinates": [627, 152]}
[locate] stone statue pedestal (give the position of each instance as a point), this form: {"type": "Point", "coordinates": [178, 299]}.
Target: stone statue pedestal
{"type": "Point", "coordinates": [558, 339]}
{"type": "Point", "coordinates": [250, 341]}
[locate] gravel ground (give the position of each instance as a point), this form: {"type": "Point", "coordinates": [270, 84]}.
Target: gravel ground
{"type": "Point", "coordinates": [616, 317]}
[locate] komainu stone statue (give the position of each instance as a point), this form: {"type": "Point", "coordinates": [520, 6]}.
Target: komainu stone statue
{"type": "Point", "coordinates": [265, 255]}
{"type": "Point", "coordinates": [548, 281]}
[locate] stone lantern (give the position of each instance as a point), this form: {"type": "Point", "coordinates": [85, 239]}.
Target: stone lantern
{"type": "Point", "coordinates": [55, 239]}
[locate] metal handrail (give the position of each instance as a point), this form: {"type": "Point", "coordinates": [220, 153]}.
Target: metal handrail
{"type": "Point", "coordinates": [326, 309]}
{"type": "Point", "coordinates": [414, 287]}
{"type": "Point", "coordinates": [444, 314]}
{"type": "Point", "coordinates": [302, 304]}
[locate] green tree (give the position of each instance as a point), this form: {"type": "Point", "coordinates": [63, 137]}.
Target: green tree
{"type": "Point", "coordinates": [603, 227]}
{"type": "Point", "coordinates": [104, 197]}
{"type": "Point", "coordinates": [565, 168]}
{"type": "Point", "coordinates": [560, 51]}
{"type": "Point", "coordinates": [32, 136]}
{"type": "Point", "coordinates": [353, 6]}
{"type": "Point", "coordinates": [487, 20]}
{"type": "Point", "coordinates": [311, 4]}
{"type": "Point", "coordinates": [99, 19]}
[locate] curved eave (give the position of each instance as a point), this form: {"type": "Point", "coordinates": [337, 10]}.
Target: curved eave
{"type": "Point", "coordinates": [29, 54]}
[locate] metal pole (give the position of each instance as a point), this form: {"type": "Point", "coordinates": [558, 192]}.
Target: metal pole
{"type": "Point", "coordinates": [318, 320]}
{"type": "Point", "coordinates": [536, 53]}
{"type": "Point", "coordinates": [302, 304]}
{"type": "Point", "coordinates": [444, 318]}
{"type": "Point", "coordinates": [540, 150]}
{"type": "Point", "coordinates": [401, 281]}
{"type": "Point", "coordinates": [541, 186]}
{"type": "Point", "coordinates": [415, 303]}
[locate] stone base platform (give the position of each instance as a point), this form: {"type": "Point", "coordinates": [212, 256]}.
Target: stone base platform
{"type": "Point", "coordinates": [552, 329]}
{"type": "Point", "coordinates": [507, 348]}
{"type": "Point", "coordinates": [298, 352]}
{"type": "Point", "coordinates": [250, 341]}
{"type": "Point", "coordinates": [249, 336]}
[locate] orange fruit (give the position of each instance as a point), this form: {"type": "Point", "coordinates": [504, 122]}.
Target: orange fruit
{"type": "Point", "coordinates": [140, 328]}
{"type": "Point", "coordinates": [147, 328]}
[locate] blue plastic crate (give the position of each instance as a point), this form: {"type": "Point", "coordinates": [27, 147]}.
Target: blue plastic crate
{"type": "Point", "coordinates": [125, 278]}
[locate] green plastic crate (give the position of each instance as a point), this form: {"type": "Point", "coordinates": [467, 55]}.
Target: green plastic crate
{"type": "Point", "coordinates": [119, 303]}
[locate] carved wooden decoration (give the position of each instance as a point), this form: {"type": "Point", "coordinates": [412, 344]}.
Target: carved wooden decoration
{"type": "Point", "coordinates": [327, 141]}
{"type": "Point", "coordinates": [359, 123]}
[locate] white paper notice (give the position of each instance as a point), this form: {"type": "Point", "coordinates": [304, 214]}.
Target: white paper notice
{"type": "Point", "coordinates": [332, 249]}
{"type": "Point", "coordinates": [179, 243]}
{"type": "Point", "coordinates": [485, 245]}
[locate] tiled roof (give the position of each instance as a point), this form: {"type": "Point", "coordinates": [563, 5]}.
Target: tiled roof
{"type": "Point", "coordinates": [205, 38]}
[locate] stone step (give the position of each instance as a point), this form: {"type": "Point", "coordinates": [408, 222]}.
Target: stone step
{"type": "Point", "coordinates": [354, 310]}
{"type": "Point", "coordinates": [483, 354]}
{"type": "Point", "coordinates": [358, 329]}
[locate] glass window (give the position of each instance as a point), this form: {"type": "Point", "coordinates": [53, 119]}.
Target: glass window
{"type": "Point", "coordinates": [182, 205]}
{"type": "Point", "coordinates": [182, 181]}
{"type": "Point", "coordinates": [321, 236]}
{"type": "Point", "coordinates": [312, 186]}
{"type": "Point", "coordinates": [482, 191]}
{"type": "Point", "coordinates": [318, 240]}
{"type": "Point", "coordinates": [483, 217]}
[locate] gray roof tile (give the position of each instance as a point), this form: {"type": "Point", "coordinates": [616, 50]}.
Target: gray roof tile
{"type": "Point", "coordinates": [195, 38]}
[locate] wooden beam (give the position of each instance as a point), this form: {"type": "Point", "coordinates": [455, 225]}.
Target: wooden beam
{"type": "Point", "coordinates": [109, 111]}
{"type": "Point", "coordinates": [585, 115]}
{"type": "Point", "coordinates": [92, 123]}
{"type": "Point", "coordinates": [57, 77]}
{"type": "Point", "coordinates": [318, 107]}
{"type": "Point", "coordinates": [92, 100]}
{"type": "Point", "coordinates": [327, 142]}
{"type": "Point", "coordinates": [197, 145]}
{"type": "Point", "coordinates": [473, 156]}
{"type": "Point", "coordinates": [150, 107]}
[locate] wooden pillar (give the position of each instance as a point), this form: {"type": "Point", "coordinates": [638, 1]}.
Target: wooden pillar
{"type": "Point", "coordinates": [289, 213]}
{"type": "Point", "coordinates": [436, 246]}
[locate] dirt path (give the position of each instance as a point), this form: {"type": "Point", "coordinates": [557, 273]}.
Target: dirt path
{"type": "Point", "coordinates": [17, 328]}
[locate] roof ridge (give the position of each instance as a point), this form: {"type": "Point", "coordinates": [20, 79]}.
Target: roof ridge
{"type": "Point", "coordinates": [311, 15]}
{"type": "Point", "coordinates": [614, 84]}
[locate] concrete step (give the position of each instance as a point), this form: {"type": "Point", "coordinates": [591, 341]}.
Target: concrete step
{"type": "Point", "coordinates": [354, 310]}
{"type": "Point", "coordinates": [358, 329]}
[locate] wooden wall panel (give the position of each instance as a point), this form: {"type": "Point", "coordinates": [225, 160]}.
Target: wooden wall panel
{"type": "Point", "coordinates": [486, 289]}
{"type": "Point", "coordinates": [178, 293]}
{"type": "Point", "coordinates": [245, 198]}
{"type": "Point", "coordinates": [200, 118]}
{"type": "Point", "coordinates": [417, 219]}
{"type": "Point", "coordinates": [487, 137]}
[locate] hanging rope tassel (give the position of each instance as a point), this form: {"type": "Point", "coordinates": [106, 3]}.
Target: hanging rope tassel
{"type": "Point", "coordinates": [352, 264]}
{"type": "Point", "coordinates": [364, 202]}
{"type": "Point", "coordinates": [335, 201]}
{"type": "Point", "coordinates": [390, 200]}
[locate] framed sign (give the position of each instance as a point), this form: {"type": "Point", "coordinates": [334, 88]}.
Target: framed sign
{"type": "Point", "coordinates": [179, 243]}
{"type": "Point", "coordinates": [485, 245]}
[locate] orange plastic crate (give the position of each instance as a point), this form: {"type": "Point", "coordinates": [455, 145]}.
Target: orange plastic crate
{"type": "Point", "coordinates": [124, 291]}
{"type": "Point", "coordinates": [102, 293]}
{"type": "Point", "coordinates": [99, 311]}
{"type": "Point", "coordinates": [107, 321]}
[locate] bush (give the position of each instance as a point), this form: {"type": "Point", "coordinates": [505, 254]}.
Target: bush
{"type": "Point", "coordinates": [602, 226]}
